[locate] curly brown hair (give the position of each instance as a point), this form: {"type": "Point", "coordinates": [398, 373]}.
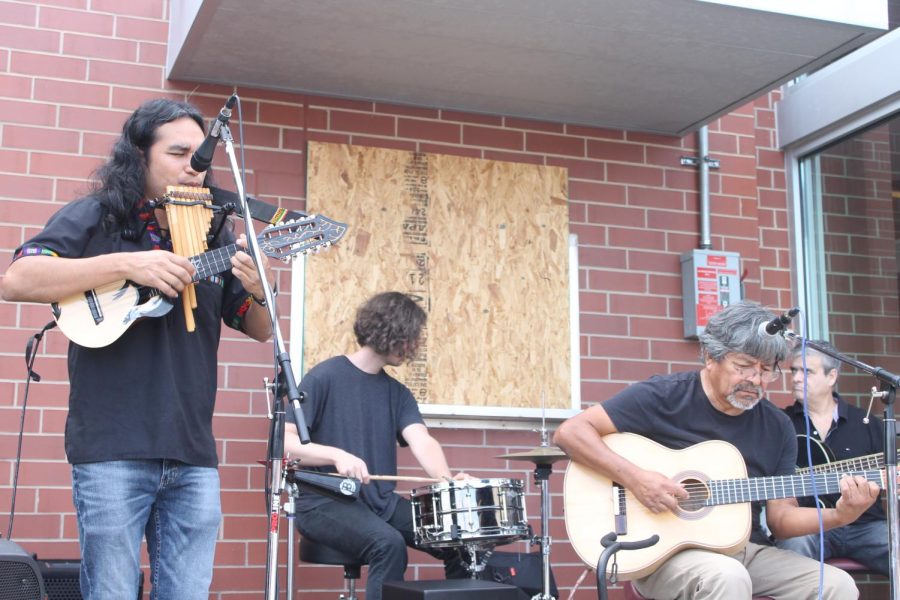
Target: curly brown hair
{"type": "Point", "coordinates": [390, 323]}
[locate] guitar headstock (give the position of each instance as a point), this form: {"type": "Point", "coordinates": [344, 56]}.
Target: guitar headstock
{"type": "Point", "coordinates": [301, 236]}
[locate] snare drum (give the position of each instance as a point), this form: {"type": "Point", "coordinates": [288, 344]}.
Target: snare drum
{"type": "Point", "coordinates": [482, 512]}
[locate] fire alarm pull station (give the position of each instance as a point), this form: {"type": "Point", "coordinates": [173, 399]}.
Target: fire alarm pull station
{"type": "Point", "coordinates": [710, 281]}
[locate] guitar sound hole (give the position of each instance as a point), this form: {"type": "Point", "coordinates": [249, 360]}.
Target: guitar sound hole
{"type": "Point", "coordinates": [698, 495]}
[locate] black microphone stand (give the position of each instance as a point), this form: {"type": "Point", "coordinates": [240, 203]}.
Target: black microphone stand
{"type": "Point", "coordinates": [285, 374]}
{"type": "Point", "coordinates": [889, 383]}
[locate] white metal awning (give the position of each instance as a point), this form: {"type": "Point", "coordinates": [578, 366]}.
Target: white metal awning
{"type": "Point", "coordinates": [666, 66]}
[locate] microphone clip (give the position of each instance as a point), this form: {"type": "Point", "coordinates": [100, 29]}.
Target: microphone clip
{"type": "Point", "coordinates": [778, 324]}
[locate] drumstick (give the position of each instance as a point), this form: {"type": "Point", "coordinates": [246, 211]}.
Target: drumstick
{"type": "Point", "coordinates": [404, 478]}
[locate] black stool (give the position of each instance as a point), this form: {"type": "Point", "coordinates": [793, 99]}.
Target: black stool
{"type": "Point", "coordinates": [320, 554]}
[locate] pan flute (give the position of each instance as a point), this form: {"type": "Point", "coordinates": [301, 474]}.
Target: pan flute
{"type": "Point", "coordinates": [189, 211]}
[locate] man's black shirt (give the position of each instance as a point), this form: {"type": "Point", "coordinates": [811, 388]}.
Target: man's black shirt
{"type": "Point", "coordinates": [848, 437]}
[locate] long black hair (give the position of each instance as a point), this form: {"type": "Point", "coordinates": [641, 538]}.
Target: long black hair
{"type": "Point", "coordinates": [122, 180]}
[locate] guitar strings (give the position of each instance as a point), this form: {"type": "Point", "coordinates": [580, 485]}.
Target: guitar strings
{"type": "Point", "coordinates": [738, 490]}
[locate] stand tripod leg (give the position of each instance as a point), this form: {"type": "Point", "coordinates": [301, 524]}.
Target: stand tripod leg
{"type": "Point", "coordinates": [541, 476]}
{"type": "Point", "coordinates": [289, 513]}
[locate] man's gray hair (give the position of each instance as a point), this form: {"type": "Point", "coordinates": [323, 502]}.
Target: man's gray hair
{"type": "Point", "coordinates": [828, 362]}
{"type": "Point", "coordinates": [735, 329]}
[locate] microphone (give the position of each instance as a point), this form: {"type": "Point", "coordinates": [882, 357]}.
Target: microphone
{"type": "Point", "coordinates": [778, 324]}
{"type": "Point", "coordinates": [201, 159]}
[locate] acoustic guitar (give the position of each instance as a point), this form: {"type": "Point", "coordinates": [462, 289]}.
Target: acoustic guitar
{"type": "Point", "coordinates": [716, 516]}
{"type": "Point", "coordinates": [98, 317]}
{"type": "Point", "coordinates": [824, 462]}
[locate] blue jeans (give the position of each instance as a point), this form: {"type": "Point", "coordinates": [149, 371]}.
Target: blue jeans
{"type": "Point", "coordinates": [866, 543]}
{"type": "Point", "coordinates": [174, 504]}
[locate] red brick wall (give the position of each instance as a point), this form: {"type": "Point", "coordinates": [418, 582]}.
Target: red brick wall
{"type": "Point", "coordinates": [861, 256]}
{"type": "Point", "coordinates": [70, 74]}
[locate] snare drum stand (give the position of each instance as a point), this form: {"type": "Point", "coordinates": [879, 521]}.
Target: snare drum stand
{"type": "Point", "coordinates": [476, 563]}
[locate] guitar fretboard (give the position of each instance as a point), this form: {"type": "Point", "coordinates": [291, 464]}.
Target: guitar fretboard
{"type": "Point", "coordinates": [213, 262]}
{"type": "Point", "coordinates": [733, 491]}
{"type": "Point", "coordinates": [860, 463]}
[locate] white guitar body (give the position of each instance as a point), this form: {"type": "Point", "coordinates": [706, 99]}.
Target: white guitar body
{"type": "Point", "coordinates": [592, 503]}
{"type": "Point", "coordinates": [715, 516]}
{"type": "Point", "coordinates": [98, 317]}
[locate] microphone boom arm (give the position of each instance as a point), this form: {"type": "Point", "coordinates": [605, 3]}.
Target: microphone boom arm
{"type": "Point", "coordinates": [889, 384]}
{"type": "Point", "coordinates": [286, 372]}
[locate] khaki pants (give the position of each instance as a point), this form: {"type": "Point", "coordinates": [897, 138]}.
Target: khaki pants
{"type": "Point", "coordinates": [755, 571]}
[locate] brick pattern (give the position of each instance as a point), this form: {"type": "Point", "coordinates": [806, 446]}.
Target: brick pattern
{"type": "Point", "coordinates": [859, 221]}
{"type": "Point", "coordinates": [71, 71]}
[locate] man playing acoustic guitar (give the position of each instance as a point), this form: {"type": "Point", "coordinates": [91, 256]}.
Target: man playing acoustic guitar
{"type": "Point", "coordinates": [725, 400]}
{"type": "Point", "coordinates": [837, 429]}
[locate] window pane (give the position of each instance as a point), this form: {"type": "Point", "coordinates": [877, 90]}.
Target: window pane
{"type": "Point", "coordinates": [850, 193]}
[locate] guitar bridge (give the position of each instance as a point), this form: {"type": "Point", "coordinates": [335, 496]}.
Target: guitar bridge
{"type": "Point", "coordinates": [90, 297]}
{"type": "Point", "coordinates": [620, 510]}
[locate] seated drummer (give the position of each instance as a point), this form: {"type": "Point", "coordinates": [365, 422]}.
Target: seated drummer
{"type": "Point", "coordinates": [356, 414]}
{"type": "Point", "coordinates": [725, 400]}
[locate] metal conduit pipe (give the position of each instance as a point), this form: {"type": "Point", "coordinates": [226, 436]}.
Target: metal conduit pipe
{"type": "Point", "coordinates": [703, 152]}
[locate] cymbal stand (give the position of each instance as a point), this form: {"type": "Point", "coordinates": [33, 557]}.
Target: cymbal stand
{"type": "Point", "coordinates": [541, 476]}
{"type": "Point", "coordinates": [542, 472]}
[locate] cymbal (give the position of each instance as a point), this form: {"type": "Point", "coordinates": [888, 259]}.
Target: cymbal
{"type": "Point", "coordinates": [540, 455]}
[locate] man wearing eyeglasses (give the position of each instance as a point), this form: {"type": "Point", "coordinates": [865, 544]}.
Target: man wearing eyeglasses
{"type": "Point", "coordinates": [837, 432]}
{"type": "Point", "coordinates": [724, 400]}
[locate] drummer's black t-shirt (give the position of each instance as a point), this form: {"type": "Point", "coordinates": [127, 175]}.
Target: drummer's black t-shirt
{"type": "Point", "coordinates": [362, 414]}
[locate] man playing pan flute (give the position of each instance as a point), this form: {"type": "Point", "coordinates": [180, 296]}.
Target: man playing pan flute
{"type": "Point", "coordinates": [725, 400]}
{"type": "Point", "coordinates": [357, 414]}
{"type": "Point", "coordinates": [139, 430]}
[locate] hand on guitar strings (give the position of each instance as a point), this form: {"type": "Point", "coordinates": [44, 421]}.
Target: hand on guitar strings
{"type": "Point", "coordinates": [165, 271]}
{"type": "Point", "coordinates": [656, 491]}
{"type": "Point", "coordinates": [245, 270]}
{"type": "Point", "coordinates": [857, 495]}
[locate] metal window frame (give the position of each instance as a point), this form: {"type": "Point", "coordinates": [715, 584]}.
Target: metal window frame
{"type": "Point", "coordinates": [835, 103]}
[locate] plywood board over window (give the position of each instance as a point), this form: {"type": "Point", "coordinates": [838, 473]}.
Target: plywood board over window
{"type": "Point", "coordinates": [482, 245]}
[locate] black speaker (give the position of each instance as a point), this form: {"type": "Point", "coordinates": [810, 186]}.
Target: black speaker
{"type": "Point", "coordinates": [20, 578]}
{"type": "Point", "coordinates": [521, 569]}
{"type": "Point", "coordinates": [450, 589]}
{"type": "Point", "coordinates": [61, 579]}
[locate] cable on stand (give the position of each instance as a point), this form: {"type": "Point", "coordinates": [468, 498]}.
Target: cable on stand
{"type": "Point", "coordinates": [285, 373]}
{"type": "Point", "coordinates": [889, 383]}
